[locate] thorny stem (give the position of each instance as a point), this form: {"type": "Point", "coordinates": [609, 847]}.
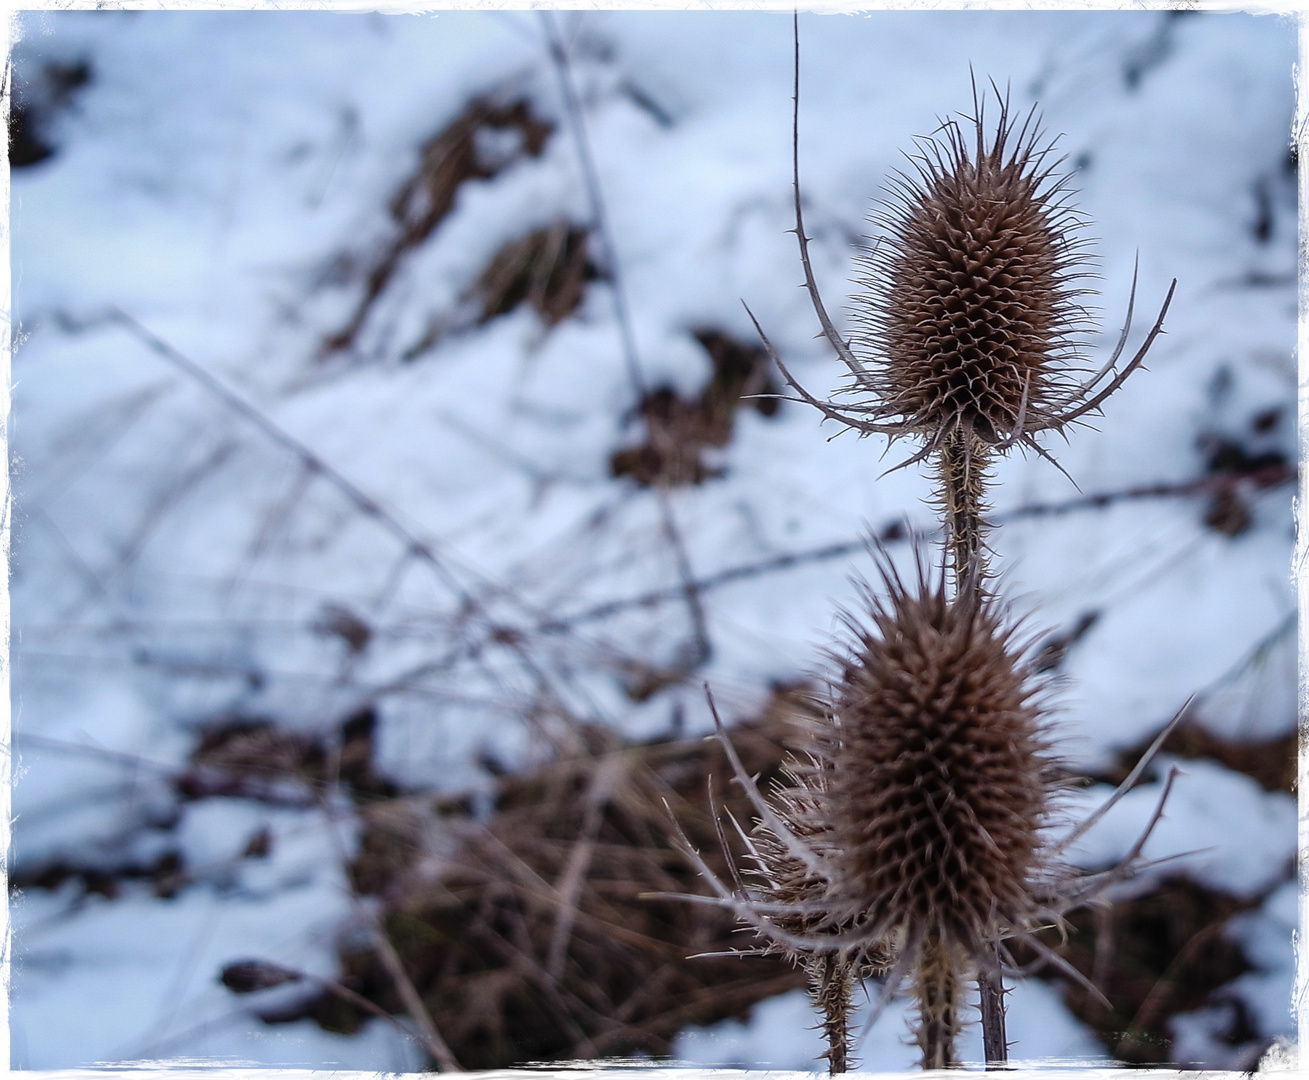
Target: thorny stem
{"type": "Point", "coordinates": [962, 462]}
{"type": "Point", "coordinates": [936, 985]}
{"type": "Point", "coordinates": [961, 465]}
{"type": "Point", "coordinates": [831, 985]}
{"type": "Point", "coordinates": [990, 988]}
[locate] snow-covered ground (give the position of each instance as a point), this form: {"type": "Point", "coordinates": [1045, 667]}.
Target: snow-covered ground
{"type": "Point", "coordinates": [219, 187]}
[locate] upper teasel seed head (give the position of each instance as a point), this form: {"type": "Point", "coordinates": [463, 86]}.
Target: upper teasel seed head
{"type": "Point", "coordinates": [938, 774]}
{"type": "Point", "coordinates": [972, 328]}
{"type": "Point", "coordinates": [969, 315]}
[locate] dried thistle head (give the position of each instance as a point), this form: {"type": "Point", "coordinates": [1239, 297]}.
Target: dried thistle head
{"type": "Point", "coordinates": [915, 836]}
{"type": "Point", "coordinates": [939, 774]}
{"type": "Point", "coordinates": [971, 321]}
{"type": "Point", "coordinates": [938, 786]}
{"type": "Point", "coordinates": [970, 311]}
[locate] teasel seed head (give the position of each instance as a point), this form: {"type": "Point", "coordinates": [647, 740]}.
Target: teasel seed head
{"type": "Point", "coordinates": [938, 786]}
{"type": "Point", "coordinates": [784, 880]}
{"type": "Point", "coordinates": [970, 308]}
{"type": "Point", "coordinates": [782, 877]}
{"type": "Point", "coordinates": [971, 321]}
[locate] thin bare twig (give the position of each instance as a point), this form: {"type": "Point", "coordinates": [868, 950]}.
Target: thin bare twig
{"type": "Point", "coordinates": [289, 973]}
{"type": "Point", "coordinates": [1130, 779]}
{"type": "Point", "coordinates": [572, 107]}
{"type": "Point", "coordinates": [1266, 477]}
{"type": "Point", "coordinates": [360, 500]}
{"type": "Point", "coordinates": [608, 775]}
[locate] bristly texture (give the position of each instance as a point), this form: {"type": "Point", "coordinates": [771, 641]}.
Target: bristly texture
{"type": "Point", "coordinates": [938, 789]}
{"type": "Point", "coordinates": [913, 837]}
{"type": "Point", "coordinates": [962, 474]}
{"type": "Point", "coordinates": [970, 305]}
{"type": "Point", "coordinates": [970, 320]}
{"type": "Point", "coordinates": [785, 881]}
{"type": "Point", "coordinates": [969, 308]}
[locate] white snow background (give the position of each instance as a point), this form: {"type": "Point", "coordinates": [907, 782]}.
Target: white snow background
{"type": "Point", "coordinates": [172, 563]}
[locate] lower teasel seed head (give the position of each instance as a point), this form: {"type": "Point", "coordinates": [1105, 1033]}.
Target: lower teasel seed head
{"type": "Point", "coordinates": [938, 788]}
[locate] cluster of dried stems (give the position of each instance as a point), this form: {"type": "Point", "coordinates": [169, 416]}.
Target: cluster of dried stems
{"type": "Point", "coordinates": [914, 839]}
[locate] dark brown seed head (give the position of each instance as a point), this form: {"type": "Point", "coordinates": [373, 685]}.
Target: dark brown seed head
{"type": "Point", "coordinates": [969, 315]}
{"type": "Point", "coordinates": [937, 779]}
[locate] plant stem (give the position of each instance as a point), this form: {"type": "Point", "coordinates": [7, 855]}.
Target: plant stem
{"type": "Point", "coordinates": [995, 1046]}
{"type": "Point", "coordinates": [962, 463]}
{"type": "Point", "coordinates": [831, 984]}
{"type": "Point", "coordinates": [936, 986]}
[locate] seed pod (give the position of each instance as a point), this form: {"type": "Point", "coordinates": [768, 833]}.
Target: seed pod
{"type": "Point", "coordinates": [969, 309]}
{"type": "Point", "coordinates": [938, 788]}
{"type": "Point", "coordinates": [970, 324]}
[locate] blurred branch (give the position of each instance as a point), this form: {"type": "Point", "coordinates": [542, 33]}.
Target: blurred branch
{"type": "Point", "coordinates": [431, 1037]}
{"type": "Point", "coordinates": [249, 976]}
{"type": "Point", "coordinates": [1267, 477]}
{"type": "Point", "coordinates": [690, 588]}
{"type": "Point", "coordinates": [317, 465]}
{"type": "Point", "coordinates": [496, 633]}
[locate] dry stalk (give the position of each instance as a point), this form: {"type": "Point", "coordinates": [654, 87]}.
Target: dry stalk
{"type": "Point", "coordinates": [970, 331]}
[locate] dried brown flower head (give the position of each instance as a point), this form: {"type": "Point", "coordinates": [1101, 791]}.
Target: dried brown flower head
{"type": "Point", "coordinates": [938, 788]}
{"type": "Point", "coordinates": [938, 764]}
{"type": "Point", "coordinates": [970, 317]}
{"type": "Point", "coordinates": [970, 310]}
{"type": "Point", "coordinates": [914, 835]}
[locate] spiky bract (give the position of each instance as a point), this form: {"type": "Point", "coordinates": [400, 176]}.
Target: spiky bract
{"type": "Point", "coordinates": [800, 804]}
{"type": "Point", "coordinates": [970, 314]}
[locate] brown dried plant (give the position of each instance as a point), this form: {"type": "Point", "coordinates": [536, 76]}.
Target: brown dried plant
{"type": "Point", "coordinates": [918, 833]}
{"type": "Point", "coordinates": [939, 789]}
{"type": "Point", "coordinates": [970, 324]}
{"type": "Point", "coordinates": [915, 837]}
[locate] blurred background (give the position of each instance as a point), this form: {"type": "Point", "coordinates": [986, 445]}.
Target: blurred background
{"type": "Point", "coordinates": [389, 481]}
